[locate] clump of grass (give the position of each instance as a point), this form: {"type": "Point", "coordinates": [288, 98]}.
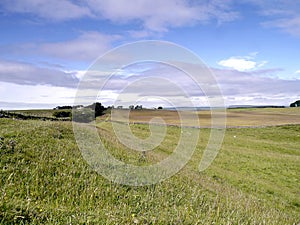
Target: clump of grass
{"type": "Point", "coordinates": [7, 145]}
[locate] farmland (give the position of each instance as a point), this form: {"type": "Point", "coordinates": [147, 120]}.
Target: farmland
{"type": "Point", "coordinates": [243, 117]}
{"type": "Point", "coordinates": [253, 180]}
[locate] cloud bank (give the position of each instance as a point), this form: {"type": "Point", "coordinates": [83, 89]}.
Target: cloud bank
{"type": "Point", "coordinates": [35, 84]}
{"type": "Point", "coordinates": [29, 74]}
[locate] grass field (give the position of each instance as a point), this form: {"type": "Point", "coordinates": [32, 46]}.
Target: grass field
{"type": "Point", "coordinates": [40, 112]}
{"type": "Point", "coordinates": [244, 117]}
{"type": "Point", "coordinates": [253, 180]}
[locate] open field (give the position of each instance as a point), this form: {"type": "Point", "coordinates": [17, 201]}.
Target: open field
{"type": "Point", "coordinates": [246, 117]}
{"type": "Point", "coordinates": [254, 179]}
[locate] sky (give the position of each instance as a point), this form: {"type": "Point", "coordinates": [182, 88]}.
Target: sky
{"type": "Point", "coordinates": [251, 47]}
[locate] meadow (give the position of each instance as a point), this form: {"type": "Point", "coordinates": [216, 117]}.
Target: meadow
{"type": "Point", "coordinates": [253, 180]}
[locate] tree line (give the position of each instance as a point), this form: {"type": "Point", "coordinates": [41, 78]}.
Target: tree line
{"type": "Point", "coordinates": [80, 113]}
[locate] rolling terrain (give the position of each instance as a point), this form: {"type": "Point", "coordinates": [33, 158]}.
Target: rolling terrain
{"type": "Point", "coordinates": [253, 180]}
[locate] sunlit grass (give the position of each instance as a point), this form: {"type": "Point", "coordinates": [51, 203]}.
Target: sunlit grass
{"type": "Point", "coordinates": [244, 117]}
{"type": "Point", "coordinates": [44, 179]}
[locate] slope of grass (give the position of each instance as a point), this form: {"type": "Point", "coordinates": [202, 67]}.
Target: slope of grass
{"type": "Point", "coordinates": [41, 113]}
{"type": "Point", "coordinates": [44, 180]}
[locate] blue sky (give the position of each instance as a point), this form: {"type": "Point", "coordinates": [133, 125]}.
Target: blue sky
{"type": "Point", "coordinates": [251, 46]}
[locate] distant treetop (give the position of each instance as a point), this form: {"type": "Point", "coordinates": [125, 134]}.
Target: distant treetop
{"type": "Point", "coordinates": [63, 107]}
{"type": "Point", "coordinates": [295, 104]}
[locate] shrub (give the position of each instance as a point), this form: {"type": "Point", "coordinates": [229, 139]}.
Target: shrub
{"type": "Point", "coordinates": [59, 114]}
{"type": "Point", "coordinates": [85, 115]}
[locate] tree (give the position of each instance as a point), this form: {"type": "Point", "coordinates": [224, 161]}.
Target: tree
{"type": "Point", "coordinates": [160, 107]}
{"type": "Point", "coordinates": [295, 104]}
{"type": "Point", "coordinates": [97, 107]}
{"type": "Point", "coordinates": [63, 107]}
{"type": "Point", "coordinates": [138, 107]}
{"type": "Point", "coordinates": [88, 113]}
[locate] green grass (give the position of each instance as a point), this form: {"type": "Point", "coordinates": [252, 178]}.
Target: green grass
{"type": "Point", "coordinates": [40, 112]}
{"type": "Point", "coordinates": [44, 179]}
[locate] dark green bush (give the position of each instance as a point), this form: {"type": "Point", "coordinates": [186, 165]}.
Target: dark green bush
{"type": "Point", "coordinates": [84, 115]}
{"type": "Point", "coordinates": [62, 114]}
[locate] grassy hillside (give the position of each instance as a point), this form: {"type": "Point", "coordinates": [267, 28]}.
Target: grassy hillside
{"type": "Point", "coordinates": [36, 112]}
{"type": "Point", "coordinates": [44, 180]}
{"type": "Point", "coordinates": [40, 112]}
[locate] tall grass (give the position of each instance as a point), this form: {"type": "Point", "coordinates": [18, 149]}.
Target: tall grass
{"type": "Point", "coordinates": [44, 180]}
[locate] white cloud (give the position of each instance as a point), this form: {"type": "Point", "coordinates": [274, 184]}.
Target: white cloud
{"type": "Point", "coordinates": [283, 15]}
{"type": "Point", "coordinates": [289, 25]}
{"type": "Point", "coordinates": [256, 87]}
{"type": "Point", "coordinates": [52, 10]}
{"type": "Point", "coordinates": [262, 63]}
{"type": "Point", "coordinates": [87, 47]}
{"type": "Point", "coordinates": [25, 96]}
{"type": "Point", "coordinates": [151, 80]}
{"type": "Point", "coordinates": [159, 16]}
{"type": "Point", "coordinates": [156, 16]}
{"type": "Point", "coordinates": [297, 72]}
{"type": "Point", "coordinates": [242, 63]}
{"type": "Point", "coordinates": [239, 64]}
{"type": "Point", "coordinates": [29, 74]}
{"type": "Point", "coordinates": [238, 87]}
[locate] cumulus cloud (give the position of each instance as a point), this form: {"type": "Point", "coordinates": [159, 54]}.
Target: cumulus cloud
{"type": "Point", "coordinates": [239, 64]}
{"type": "Point", "coordinates": [242, 63]}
